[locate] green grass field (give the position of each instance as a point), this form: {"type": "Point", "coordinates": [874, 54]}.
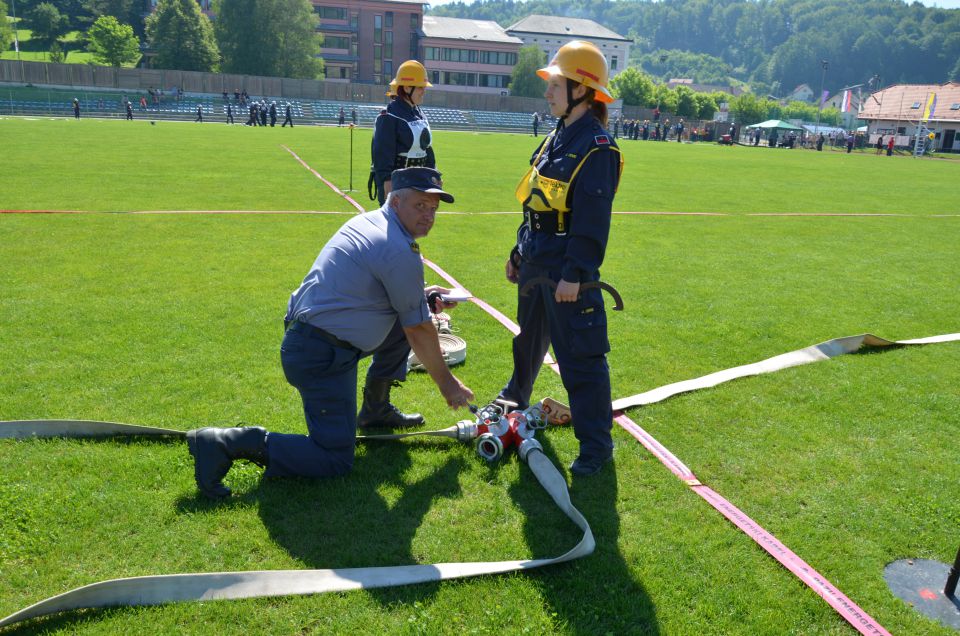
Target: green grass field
{"type": "Point", "coordinates": [174, 320]}
{"type": "Point", "coordinates": [30, 51]}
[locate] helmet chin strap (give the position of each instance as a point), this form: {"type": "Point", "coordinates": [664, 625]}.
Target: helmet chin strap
{"type": "Point", "coordinates": [571, 101]}
{"type": "Point", "coordinates": [406, 95]}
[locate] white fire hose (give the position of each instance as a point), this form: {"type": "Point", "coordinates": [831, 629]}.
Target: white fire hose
{"type": "Point", "coordinates": [201, 586]}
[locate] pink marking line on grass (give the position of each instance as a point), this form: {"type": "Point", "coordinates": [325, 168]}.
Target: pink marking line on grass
{"type": "Point", "coordinates": [850, 611]}
{"type": "Point", "coordinates": [41, 212]}
{"type": "Point", "coordinates": [235, 212]}
{"type": "Point", "coordinates": [173, 212]}
{"type": "Point", "coordinates": [330, 185]}
{"type": "Point", "coordinates": [823, 214]}
{"type": "Point", "coordinates": [847, 609]}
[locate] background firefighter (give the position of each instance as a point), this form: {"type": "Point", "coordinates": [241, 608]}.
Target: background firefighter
{"type": "Point", "coordinates": [401, 136]}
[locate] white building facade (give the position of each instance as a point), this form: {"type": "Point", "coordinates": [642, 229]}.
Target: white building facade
{"type": "Point", "coordinates": [551, 32]}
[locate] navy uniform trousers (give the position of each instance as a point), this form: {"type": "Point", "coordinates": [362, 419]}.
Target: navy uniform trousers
{"type": "Point", "coordinates": [325, 374]}
{"type": "Point", "coordinates": [578, 332]}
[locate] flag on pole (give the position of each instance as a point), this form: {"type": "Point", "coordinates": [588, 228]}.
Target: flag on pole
{"type": "Point", "coordinates": [930, 107]}
{"type": "Point", "coordinates": [823, 98]}
{"type": "Point", "coordinates": [845, 102]}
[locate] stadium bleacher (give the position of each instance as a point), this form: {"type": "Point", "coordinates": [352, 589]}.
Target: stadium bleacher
{"type": "Point", "coordinates": [20, 100]}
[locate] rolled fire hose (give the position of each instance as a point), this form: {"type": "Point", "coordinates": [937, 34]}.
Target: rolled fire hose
{"type": "Point", "coordinates": [454, 350]}
{"type": "Point", "coordinates": [169, 588]}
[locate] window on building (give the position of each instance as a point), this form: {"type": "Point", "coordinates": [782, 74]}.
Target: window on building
{"type": "Point", "coordinates": [378, 28]}
{"type": "Point", "coordinates": [434, 77]}
{"type": "Point", "coordinates": [414, 22]}
{"type": "Point", "coordinates": [377, 58]}
{"type": "Point", "coordinates": [496, 57]}
{"type": "Point", "coordinates": [331, 13]}
{"type": "Point", "coordinates": [388, 19]}
{"type": "Point", "coordinates": [613, 63]}
{"type": "Point", "coordinates": [353, 45]}
{"type": "Point", "coordinates": [336, 41]}
{"type": "Point", "coordinates": [388, 69]}
{"type": "Point", "coordinates": [955, 106]}
{"type": "Point", "coordinates": [388, 45]}
{"type": "Point", "coordinates": [915, 105]}
{"type": "Point", "coordinates": [494, 81]}
{"type": "Point", "coordinates": [343, 72]}
{"type": "Point", "coordinates": [459, 79]}
{"type": "Point", "coordinates": [355, 20]}
{"type": "Point", "coordinates": [414, 47]}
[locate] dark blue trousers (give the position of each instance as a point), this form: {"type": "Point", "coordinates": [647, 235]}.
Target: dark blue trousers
{"type": "Point", "coordinates": [578, 332]}
{"type": "Point", "coordinates": [326, 377]}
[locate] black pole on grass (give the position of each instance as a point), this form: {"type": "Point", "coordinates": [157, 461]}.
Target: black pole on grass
{"type": "Point", "coordinates": [950, 589]}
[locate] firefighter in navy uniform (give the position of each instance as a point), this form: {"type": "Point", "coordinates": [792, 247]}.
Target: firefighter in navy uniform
{"type": "Point", "coordinates": [401, 136]}
{"type": "Point", "coordinates": [567, 197]}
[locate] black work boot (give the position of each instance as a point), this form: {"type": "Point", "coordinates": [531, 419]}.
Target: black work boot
{"type": "Point", "coordinates": [214, 450]}
{"type": "Point", "coordinates": [589, 465]}
{"type": "Point", "coordinates": [377, 412]}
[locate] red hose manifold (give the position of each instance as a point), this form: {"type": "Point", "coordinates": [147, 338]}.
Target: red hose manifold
{"type": "Point", "coordinates": [497, 432]}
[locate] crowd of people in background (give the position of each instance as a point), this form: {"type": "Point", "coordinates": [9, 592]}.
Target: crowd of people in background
{"type": "Point", "coordinates": [266, 113]}
{"type": "Point", "coordinates": [260, 112]}
{"type": "Point", "coordinates": [665, 130]}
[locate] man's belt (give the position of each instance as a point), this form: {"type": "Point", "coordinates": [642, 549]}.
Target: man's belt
{"type": "Point", "coordinates": [552, 284]}
{"type": "Point", "coordinates": [548, 222]}
{"type": "Point", "coordinates": [403, 161]}
{"type": "Point", "coordinates": [316, 332]}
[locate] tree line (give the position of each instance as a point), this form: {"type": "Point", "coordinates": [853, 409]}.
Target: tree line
{"type": "Point", "coordinates": [774, 45]}
{"type": "Point", "coordinates": [637, 88]}
{"type": "Point", "coordinates": [252, 37]}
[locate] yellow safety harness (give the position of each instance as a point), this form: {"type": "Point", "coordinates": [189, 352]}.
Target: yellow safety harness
{"type": "Point", "coordinates": [539, 194]}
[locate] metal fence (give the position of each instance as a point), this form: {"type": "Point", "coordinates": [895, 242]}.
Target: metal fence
{"type": "Point", "coordinates": [139, 80]}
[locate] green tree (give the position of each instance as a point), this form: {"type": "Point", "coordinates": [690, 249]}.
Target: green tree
{"type": "Point", "coordinates": [524, 81]}
{"type": "Point", "coordinates": [56, 54]}
{"type": "Point", "coordinates": [686, 104]}
{"type": "Point", "coordinates": [112, 43]}
{"type": "Point", "coordinates": [6, 30]}
{"type": "Point", "coordinates": [747, 108]}
{"type": "Point", "coordinates": [125, 11]}
{"type": "Point", "coordinates": [633, 86]}
{"type": "Point", "coordinates": [706, 105]}
{"type": "Point", "coordinates": [664, 98]}
{"type": "Point", "coordinates": [46, 22]}
{"type": "Point", "coordinates": [269, 37]}
{"type": "Point", "coordinates": [800, 110]}
{"type": "Point", "coordinates": [181, 37]}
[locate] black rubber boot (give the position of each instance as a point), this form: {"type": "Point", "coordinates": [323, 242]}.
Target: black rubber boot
{"type": "Point", "coordinates": [589, 465]}
{"type": "Point", "coordinates": [214, 450]}
{"type": "Point", "coordinates": [377, 412]}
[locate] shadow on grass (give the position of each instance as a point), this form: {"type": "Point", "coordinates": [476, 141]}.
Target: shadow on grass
{"type": "Point", "coordinates": [346, 522]}
{"type": "Point", "coordinates": [64, 622]}
{"type": "Point", "coordinates": [596, 594]}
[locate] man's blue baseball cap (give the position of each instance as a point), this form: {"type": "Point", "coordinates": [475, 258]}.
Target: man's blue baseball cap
{"type": "Point", "coordinates": [422, 179]}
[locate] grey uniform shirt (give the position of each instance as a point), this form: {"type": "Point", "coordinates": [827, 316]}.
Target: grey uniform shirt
{"type": "Point", "coordinates": [368, 275]}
